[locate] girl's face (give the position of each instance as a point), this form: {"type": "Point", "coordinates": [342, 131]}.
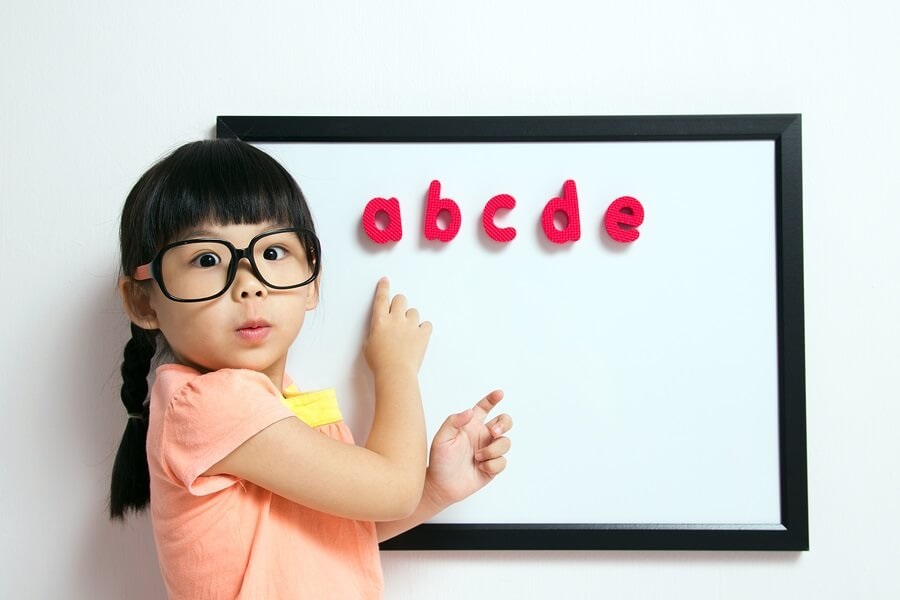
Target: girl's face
{"type": "Point", "coordinates": [250, 326]}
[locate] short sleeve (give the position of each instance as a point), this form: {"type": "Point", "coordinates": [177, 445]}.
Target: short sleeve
{"type": "Point", "coordinates": [209, 417]}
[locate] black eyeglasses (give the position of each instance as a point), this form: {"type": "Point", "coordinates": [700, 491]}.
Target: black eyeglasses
{"type": "Point", "coordinates": [202, 269]}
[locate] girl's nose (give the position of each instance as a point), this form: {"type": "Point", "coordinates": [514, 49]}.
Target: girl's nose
{"type": "Point", "coordinates": [246, 285]}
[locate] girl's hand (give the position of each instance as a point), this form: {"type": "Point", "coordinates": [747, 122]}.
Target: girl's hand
{"type": "Point", "coordinates": [467, 453]}
{"type": "Point", "coordinates": [397, 340]}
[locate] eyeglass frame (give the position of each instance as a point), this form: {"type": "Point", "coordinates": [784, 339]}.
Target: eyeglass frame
{"type": "Point", "coordinates": [153, 269]}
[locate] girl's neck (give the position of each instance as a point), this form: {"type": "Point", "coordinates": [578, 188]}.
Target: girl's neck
{"type": "Point", "coordinates": [274, 372]}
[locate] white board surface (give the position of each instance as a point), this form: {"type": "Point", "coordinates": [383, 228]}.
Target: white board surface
{"type": "Point", "coordinates": [642, 377]}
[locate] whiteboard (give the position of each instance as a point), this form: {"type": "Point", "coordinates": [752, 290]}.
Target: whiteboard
{"type": "Point", "coordinates": [644, 378]}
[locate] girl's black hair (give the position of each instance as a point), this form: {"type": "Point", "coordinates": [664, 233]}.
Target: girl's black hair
{"type": "Point", "coordinates": [213, 181]}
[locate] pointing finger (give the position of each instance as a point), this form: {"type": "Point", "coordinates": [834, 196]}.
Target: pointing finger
{"type": "Point", "coordinates": [487, 403]}
{"type": "Point", "coordinates": [382, 293]}
{"type": "Point", "coordinates": [380, 301]}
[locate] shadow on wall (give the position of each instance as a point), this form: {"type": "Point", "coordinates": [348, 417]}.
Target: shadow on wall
{"type": "Point", "coordinates": [115, 560]}
{"type": "Point", "coordinates": [119, 561]}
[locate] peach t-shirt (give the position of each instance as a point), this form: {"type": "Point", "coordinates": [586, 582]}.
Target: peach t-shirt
{"type": "Point", "coordinates": [222, 537]}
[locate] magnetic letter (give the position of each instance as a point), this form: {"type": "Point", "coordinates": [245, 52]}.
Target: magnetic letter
{"type": "Point", "coordinates": [436, 204]}
{"type": "Point", "coordinates": [394, 230]}
{"type": "Point", "coordinates": [568, 204]}
{"type": "Point", "coordinates": [623, 217]}
{"type": "Point", "coordinates": [505, 234]}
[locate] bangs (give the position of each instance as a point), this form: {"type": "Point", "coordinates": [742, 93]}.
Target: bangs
{"type": "Point", "coordinates": [220, 182]}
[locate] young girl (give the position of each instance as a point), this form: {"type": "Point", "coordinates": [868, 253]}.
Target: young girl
{"type": "Point", "coordinates": [257, 489]}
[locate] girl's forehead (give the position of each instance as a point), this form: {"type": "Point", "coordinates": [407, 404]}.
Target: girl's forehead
{"type": "Point", "coordinates": [236, 233]}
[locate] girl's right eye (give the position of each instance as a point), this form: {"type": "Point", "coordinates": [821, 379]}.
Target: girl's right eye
{"type": "Point", "coordinates": [206, 260]}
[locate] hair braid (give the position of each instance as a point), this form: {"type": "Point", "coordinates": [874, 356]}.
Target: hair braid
{"type": "Point", "coordinates": [130, 484]}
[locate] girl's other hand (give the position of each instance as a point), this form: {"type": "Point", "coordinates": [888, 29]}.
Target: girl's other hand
{"type": "Point", "coordinates": [397, 340]}
{"type": "Point", "coordinates": [467, 452]}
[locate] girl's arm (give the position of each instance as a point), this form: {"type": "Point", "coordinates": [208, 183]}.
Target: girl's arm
{"type": "Point", "coordinates": [382, 481]}
{"type": "Point", "coordinates": [466, 454]}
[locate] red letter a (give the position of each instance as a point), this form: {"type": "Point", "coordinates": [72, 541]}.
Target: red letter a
{"type": "Point", "coordinates": [568, 204]}
{"type": "Point", "coordinates": [394, 230]}
{"type": "Point", "coordinates": [435, 205]}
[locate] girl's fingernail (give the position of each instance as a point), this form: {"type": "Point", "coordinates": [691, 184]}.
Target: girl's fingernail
{"type": "Point", "coordinates": [497, 430]}
{"type": "Point", "coordinates": [479, 456]}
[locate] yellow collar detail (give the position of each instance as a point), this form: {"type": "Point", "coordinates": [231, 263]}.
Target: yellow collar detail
{"type": "Point", "coordinates": [313, 408]}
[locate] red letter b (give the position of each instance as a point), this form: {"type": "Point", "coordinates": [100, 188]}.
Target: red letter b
{"type": "Point", "coordinates": [435, 205]}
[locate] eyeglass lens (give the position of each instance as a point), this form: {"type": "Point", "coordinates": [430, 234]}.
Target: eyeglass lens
{"type": "Point", "coordinates": [199, 269]}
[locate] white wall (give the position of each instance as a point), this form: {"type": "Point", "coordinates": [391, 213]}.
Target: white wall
{"type": "Point", "coordinates": [92, 92]}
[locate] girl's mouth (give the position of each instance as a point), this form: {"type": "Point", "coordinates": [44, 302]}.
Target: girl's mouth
{"type": "Point", "coordinates": [253, 331]}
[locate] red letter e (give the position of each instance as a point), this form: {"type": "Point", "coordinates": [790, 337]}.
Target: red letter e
{"type": "Point", "coordinates": [623, 217]}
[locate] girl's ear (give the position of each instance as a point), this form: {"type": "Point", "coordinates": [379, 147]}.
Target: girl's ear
{"type": "Point", "coordinates": [312, 295]}
{"type": "Point", "coordinates": [136, 302]}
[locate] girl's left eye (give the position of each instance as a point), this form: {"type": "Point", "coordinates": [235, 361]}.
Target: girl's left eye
{"type": "Point", "coordinates": [274, 253]}
{"type": "Point", "coordinates": [206, 260]}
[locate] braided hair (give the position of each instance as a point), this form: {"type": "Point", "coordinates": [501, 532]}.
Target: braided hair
{"type": "Point", "coordinates": [130, 487]}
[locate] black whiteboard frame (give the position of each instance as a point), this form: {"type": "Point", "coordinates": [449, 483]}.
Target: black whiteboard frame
{"type": "Point", "coordinates": [792, 533]}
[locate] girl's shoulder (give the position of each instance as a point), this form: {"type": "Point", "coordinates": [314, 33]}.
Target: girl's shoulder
{"type": "Point", "coordinates": [180, 381]}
